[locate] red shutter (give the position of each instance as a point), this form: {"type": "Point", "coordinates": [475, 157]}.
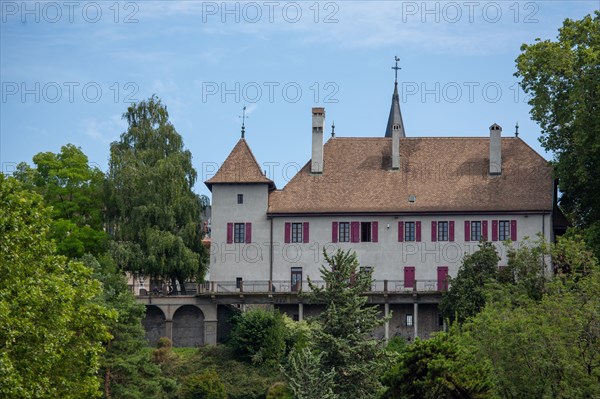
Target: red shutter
{"type": "Point", "coordinates": [374, 231]}
{"type": "Point", "coordinates": [354, 232]}
{"type": "Point", "coordinates": [248, 233]}
{"type": "Point", "coordinates": [287, 234]}
{"type": "Point", "coordinates": [513, 230]}
{"type": "Point", "coordinates": [467, 230]}
{"type": "Point", "coordinates": [400, 231]}
{"type": "Point", "coordinates": [409, 277]}
{"type": "Point", "coordinates": [305, 232]}
{"type": "Point", "coordinates": [334, 231]}
{"type": "Point", "coordinates": [229, 233]}
{"type": "Point", "coordinates": [451, 230]}
{"type": "Point", "coordinates": [433, 231]}
{"type": "Point", "coordinates": [484, 230]}
{"type": "Point", "coordinates": [494, 230]}
{"type": "Point", "coordinates": [418, 228]}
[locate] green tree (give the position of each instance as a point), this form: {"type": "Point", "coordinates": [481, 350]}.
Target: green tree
{"type": "Point", "coordinates": [259, 336]}
{"type": "Point", "coordinates": [125, 368]}
{"type": "Point", "coordinates": [441, 367]}
{"type": "Point", "coordinates": [206, 385]}
{"type": "Point", "coordinates": [74, 190]}
{"type": "Point", "coordinates": [52, 328]}
{"type": "Point", "coordinates": [563, 79]}
{"type": "Point", "coordinates": [466, 296]}
{"type": "Point", "coordinates": [546, 348]}
{"type": "Point", "coordinates": [344, 336]}
{"type": "Point", "coordinates": [307, 378]}
{"type": "Point", "coordinates": [153, 214]}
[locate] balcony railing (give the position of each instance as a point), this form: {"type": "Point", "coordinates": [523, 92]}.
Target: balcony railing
{"type": "Point", "coordinates": [286, 286]}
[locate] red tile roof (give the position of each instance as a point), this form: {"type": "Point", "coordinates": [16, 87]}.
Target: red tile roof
{"type": "Point", "coordinates": [446, 174]}
{"type": "Point", "coordinates": [240, 167]}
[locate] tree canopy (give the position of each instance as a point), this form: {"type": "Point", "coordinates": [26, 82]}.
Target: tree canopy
{"type": "Point", "coordinates": [74, 190]}
{"type": "Point", "coordinates": [51, 325]}
{"type": "Point", "coordinates": [563, 79]}
{"type": "Point", "coordinates": [153, 214]}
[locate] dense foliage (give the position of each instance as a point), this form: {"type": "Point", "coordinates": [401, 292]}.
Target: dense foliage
{"type": "Point", "coordinates": [344, 335]}
{"type": "Point", "coordinates": [153, 215]}
{"type": "Point", "coordinates": [51, 325]}
{"type": "Point", "coordinates": [563, 80]}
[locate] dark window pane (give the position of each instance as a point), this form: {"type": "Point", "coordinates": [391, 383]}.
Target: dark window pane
{"type": "Point", "coordinates": [239, 233]}
{"type": "Point", "coordinates": [365, 232]}
{"type": "Point", "coordinates": [344, 228]}
{"type": "Point", "coordinates": [296, 232]}
{"type": "Point", "coordinates": [409, 231]}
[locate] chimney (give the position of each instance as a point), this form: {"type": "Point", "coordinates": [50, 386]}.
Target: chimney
{"type": "Point", "coordinates": [318, 121]}
{"type": "Point", "coordinates": [495, 150]}
{"type": "Point", "coordinates": [396, 146]}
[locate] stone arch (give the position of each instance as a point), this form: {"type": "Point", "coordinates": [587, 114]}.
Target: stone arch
{"type": "Point", "coordinates": [188, 326]}
{"type": "Point", "coordinates": [154, 324]}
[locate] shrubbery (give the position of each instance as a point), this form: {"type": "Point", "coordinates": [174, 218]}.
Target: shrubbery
{"type": "Point", "coordinates": [206, 385]}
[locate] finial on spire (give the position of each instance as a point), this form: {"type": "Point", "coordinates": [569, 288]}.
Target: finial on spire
{"type": "Point", "coordinates": [333, 129]}
{"type": "Point", "coordinates": [517, 130]}
{"type": "Point", "coordinates": [243, 116]}
{"type": "Point", "coordinates": [396, 68]}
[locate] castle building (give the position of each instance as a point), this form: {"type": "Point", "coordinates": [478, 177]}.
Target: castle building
{"type": "Point", "coordinates": [411, 208]}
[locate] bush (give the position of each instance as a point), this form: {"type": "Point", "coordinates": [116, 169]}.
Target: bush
{"type": "Point", "coordinates": [206, 385]}
{"type": "Point", "coordinates": [163, 353]}
{"type": "Point", "coordinates": [259, 336]}
{"type": "Point", "coordinates": [279, 391]}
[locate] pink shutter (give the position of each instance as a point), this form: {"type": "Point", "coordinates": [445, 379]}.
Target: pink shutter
{"type": "Point", "coordinates": [229, 233]}
{"type": "Point", "coordinates": [355, 232]}
{"type": "Point", "coordinates": [418, 228]}
{"type": "Point", "coordinates": [334, 231]}
{"type": "Point", "coordinates": [467, 230]}
{"type": "Point", "coordinates": [513, 230]}
{"type": "Point", "coordinates": [400, 231]}
{"type": "Point", "coordinates": [374, 231]}
{"type": "Point", "coordinates": [433, 231]}
{"type": "Point", "coordinates": [248, 233]}
{"type": "Point", "coordinates": [451, 230]}
{"type": "Point", "coordinates": [305, 232]}
{"type": "Point", "coordinates": [409, 277]}
{"type": "Point", "coordinates": [494, 230]}
{"type": "Point", "coordinates": [484, 230]}
{"type": "Point", "coordinates": [287, 233]}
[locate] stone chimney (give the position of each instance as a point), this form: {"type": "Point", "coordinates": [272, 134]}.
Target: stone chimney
{"type": "Point", "coordinates": [318, 121]}
{"type": "Point", "coordinates": [396, 146]}
{"type": "Point", "coordinates": [495, 150]}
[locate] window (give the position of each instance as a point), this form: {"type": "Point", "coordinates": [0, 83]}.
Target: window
{"type": "Point", "coordinates": [240, 198]}
{"type": "Point", "coordinates": [365, 231]}
{"type": "Point", "coordinates": [296, 232]}
{"type": "Point", "coordinates": [504, 230]}
{"type": "Point", "coordinates": [409, 231]}
{"type": "Point", "coordinates": [409, 320]}
{"type": "Point", "coordinates": [238, 282]}
{"type": "Point", "coordinates": [296, 279]}
{"type": "Point", "coordinates": [344, 229]}
{"type": "Point", "coordinates": [475, 231]}
{"type": "Point", "coordinates": [366, 269]}
{"type": "Point", "coordinates": [442, 231]}
{"type": "Point", "coordinates": [239, 232]}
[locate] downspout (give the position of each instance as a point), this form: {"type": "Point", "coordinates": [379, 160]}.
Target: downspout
{"type": "Point", "coordinates": [271, 251]}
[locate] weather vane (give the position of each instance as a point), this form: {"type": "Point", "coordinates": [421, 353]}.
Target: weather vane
{"type": "Point", "coordinates": [396, 68]}
{"type": "Point", "coordinates": [517, 130]}
{"type": "Point", "coordinates": [244, 117]}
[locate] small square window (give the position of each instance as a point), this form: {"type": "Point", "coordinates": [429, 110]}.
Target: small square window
{"type": "Point", "coordinates": [240, 198]}
{"type": "Point", "coordinates": [409, 320]}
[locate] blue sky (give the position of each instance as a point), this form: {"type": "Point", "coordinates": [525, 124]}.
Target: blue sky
{"type": "Point", "coordinates": [69, 70]}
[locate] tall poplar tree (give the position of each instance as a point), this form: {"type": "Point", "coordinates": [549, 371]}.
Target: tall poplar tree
{"type": "Point", "coordinates": [153, 214]}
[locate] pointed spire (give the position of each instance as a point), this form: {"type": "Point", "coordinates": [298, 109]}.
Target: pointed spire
{"type": "Point", "coordinates": [243, 116]}
{"type": "Point", "coordinates": [395, 118]}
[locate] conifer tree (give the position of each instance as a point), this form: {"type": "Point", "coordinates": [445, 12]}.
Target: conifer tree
{"type": "Point", "coordinates": [346, 326]}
